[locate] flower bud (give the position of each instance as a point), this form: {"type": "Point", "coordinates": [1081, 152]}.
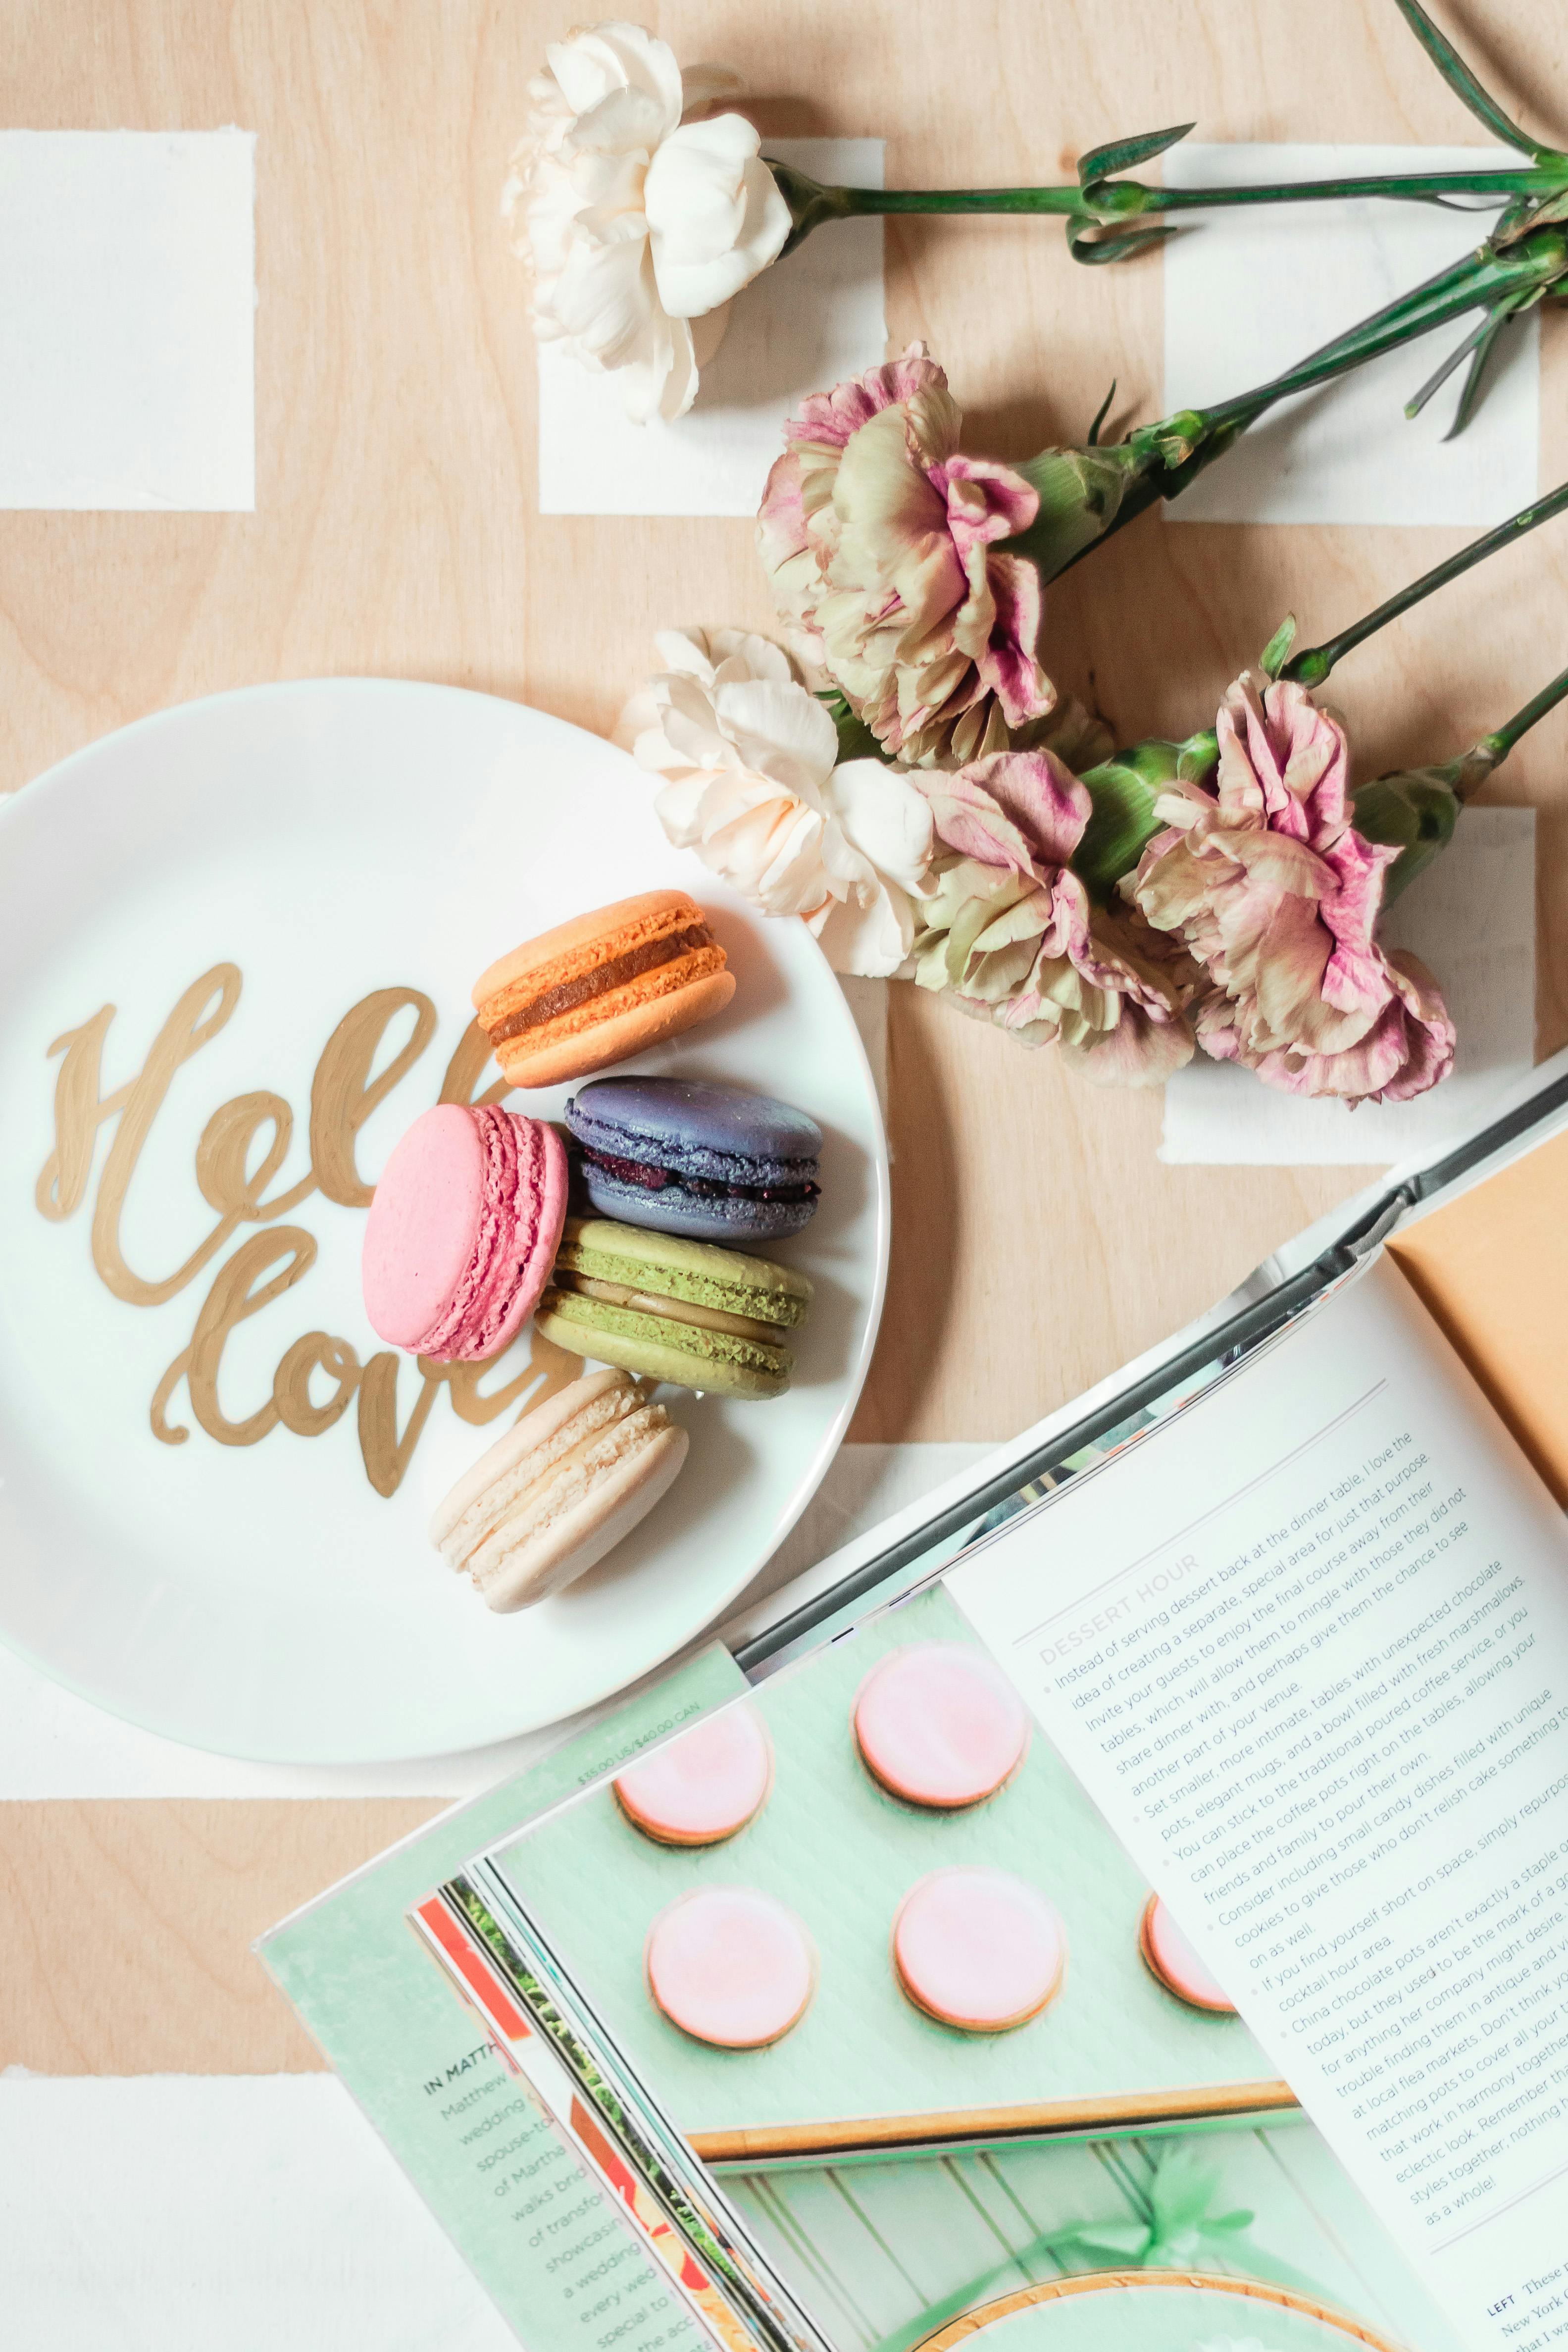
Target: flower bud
{"type": "Point", "coordinates": [1126, 791]}
{"type": "Point", "coordinates": [1415, 810]}
{"type": "Point", "coordinates": [1081, 493]}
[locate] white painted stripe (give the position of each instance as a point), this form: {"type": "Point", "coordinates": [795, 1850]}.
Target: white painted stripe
{"type": "Point", "coordinates": [172, 2213]}
{"type": "Point", "coordinates": [128, 290]}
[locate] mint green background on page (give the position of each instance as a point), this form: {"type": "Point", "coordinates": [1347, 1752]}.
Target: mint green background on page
{"type": "Point", "coordinates": [389, 2021]}
{"type": "Point", "coordinates": [842, 1853]}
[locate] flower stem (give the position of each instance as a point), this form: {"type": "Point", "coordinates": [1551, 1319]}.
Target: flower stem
{"type": "Point", "coordinates": [1163, 459]}
{"type": "Point", "coordinates": [1404, 187]}
{"type": "Point", "coordinates": [1310, 667]}
{"type": "Point", "coordinates": [1500, 742]}
{"type": "Point", "coordinates": [1100, 202]}
{"type": "Point", "coordinates": [1478, 281]}
{"type": "Point", "coordinates": [1416, 811]}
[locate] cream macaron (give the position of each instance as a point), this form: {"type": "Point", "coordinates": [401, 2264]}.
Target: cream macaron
{"type": "Point", "coordinates": [559, 1490]}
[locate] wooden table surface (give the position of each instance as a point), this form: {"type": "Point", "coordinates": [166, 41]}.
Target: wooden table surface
{"type": "Point", "coordinates": [1038, 1242]}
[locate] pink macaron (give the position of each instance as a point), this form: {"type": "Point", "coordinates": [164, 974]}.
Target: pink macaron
{"type": "Point", "coordinates": [1168, 1955]}
{"type": "Point", "coordinates": [977, 1949]}
{"type": "Point", "coordinates": [730, 1965]}
{"type": "Point", "coordinates": [462, 1230]}
{"type": "Point", "coordinates": [939, 1724]}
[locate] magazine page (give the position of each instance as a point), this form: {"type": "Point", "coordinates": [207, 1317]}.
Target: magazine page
{"type": "Point", "coordinates": [766, 1857]}
{"type": "Point", "coordinates": [740, 1926]}
{"type": "Point", "coordinates": [1145, 2242]}
{"type": "Point", "coordinates": [464, 2120]}
{"type": "Point", "coordinates": [1308, 1651]}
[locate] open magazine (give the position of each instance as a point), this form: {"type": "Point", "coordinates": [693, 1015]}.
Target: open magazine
{"type": "Point", "coordinates": [1223, 1767]}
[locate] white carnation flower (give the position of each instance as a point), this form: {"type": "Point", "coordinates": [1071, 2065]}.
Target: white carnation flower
{"type": "Point", "coordinates": [754, 784]}
{"type": "Point", "coordinates": [635, 220]}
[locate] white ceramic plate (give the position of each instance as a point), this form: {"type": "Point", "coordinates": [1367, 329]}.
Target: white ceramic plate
{"type": "Point", "coordinates": [326, 841]}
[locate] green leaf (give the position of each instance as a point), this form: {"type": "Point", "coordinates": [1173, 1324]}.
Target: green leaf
{"type": "Point", "coordinates": [1485, 343]}
{"type": "Point", "coordinates": [1444, 368]}
{"type": "Point", "coordinates": [1463, 83]}
{"type": "Point", "coordinates": [1276, 652]}
{"type": "Point", "coordinates": [1101, 414]}
{"type": "Point", "coordinates": [1087, 246]}
{"type": "Point", "coordinates": [1121, 154]}
{"type": "Point", "coordinates": [856, 740]}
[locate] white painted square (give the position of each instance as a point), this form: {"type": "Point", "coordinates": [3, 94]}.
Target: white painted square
{"type": "Point", "coordinates": [127, 292]}
{"type": "Point", "coordinates": [802, 326]}
{"type": "Point", "coordinates": [1471, 919]}
{"type": "Point", "coordinates": [1251, 291]}
{"type": "Point", "coordinates": [174, 2213]}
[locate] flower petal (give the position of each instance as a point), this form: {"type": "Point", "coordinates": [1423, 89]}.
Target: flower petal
{"type": "Point", "coordinates": [715, 216]}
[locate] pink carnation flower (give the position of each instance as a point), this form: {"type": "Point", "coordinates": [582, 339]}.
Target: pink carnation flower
{"type": "Point", "coordinates": [1267, 883]}
{"type": "Point", "coordinates": [1012, 936]}
{"type": "Point", "coordinates": [881, 541]}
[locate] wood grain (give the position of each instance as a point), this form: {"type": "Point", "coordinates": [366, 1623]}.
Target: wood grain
{"type": "Point", "coordinates": [126, 1928]}
{"type": "Point", "coordinates": [1038, 1242]}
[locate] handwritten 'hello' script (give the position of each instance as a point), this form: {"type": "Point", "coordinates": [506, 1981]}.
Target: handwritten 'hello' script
{"type": "Point", "coordinates": [319, 1376]}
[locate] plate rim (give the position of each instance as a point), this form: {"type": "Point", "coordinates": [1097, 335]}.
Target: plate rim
{"type": "Point", "coordinates": [49, 780]}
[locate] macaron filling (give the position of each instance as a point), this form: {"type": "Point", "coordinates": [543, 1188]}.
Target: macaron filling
{"type": "Point", "coordinates": [515, 1491]}
{"type": "Point", "coordinates": [561, 1488]}
{"type": "Point", "coordinates": [566, 996]}
{"type": "Point", "coordinates": [670, 1329]}
{"type": "Point", "coordinates": [482, 1305]}
{"type": "Point", "coordinates": [652, 1178]}
{"type": "Point", "coordinates": [645, 1302]}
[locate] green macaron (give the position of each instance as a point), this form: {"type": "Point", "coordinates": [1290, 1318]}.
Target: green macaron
{"type": "Point", "coordinates": [671, 1310]}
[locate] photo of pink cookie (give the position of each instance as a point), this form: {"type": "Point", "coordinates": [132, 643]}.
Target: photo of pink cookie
{"type": "Point", "coordinates": [705, 1786]}
{"type": "Point", "coordinates": [730, 1965]}
{"type": "Point", "coordinates": [978, 1949]}
{"type": "Point", "coordinates": [462, 1232]}
{"type": "Point", "coordinates": [937, 1724]}
{"type": "Point", "coordinates": [1169, 1957]}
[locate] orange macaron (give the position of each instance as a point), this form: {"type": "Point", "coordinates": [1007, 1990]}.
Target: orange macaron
{"type": "Point", "coordinates": [601, 987]}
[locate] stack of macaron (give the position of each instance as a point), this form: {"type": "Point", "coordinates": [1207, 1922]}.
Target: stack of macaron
{"type": "Point", "coordinates": [469, 1234]}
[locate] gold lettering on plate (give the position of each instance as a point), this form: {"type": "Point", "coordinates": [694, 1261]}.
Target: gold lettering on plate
{"type": "Point", "coordinates": [319, 1375]}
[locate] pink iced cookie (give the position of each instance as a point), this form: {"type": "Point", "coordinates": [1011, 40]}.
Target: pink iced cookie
{"type": "Point", "coordinates": [939, 1725]}
{"type": "Point", "coordinates": [462, 1233]}
{"type": "Point", "coordinates": [705, 1786]}
{"type": "Point", "coordinates": [977, 1949]}
{"type": "Point", "coordinates": [730, 1965]}
{"type": "Point", "coordinates": [1168, 1955]}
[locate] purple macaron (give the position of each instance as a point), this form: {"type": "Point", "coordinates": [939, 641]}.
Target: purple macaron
{"type": "Point", "coordinates": [686, 1156]}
